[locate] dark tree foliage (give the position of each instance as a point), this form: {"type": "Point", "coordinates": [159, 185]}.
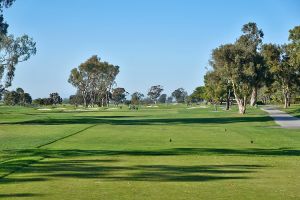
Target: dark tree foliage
{"type": "Point", "coordinates": [162, 98]}
{"type": "Point", "coordinates": [17, 97]}
{"type": "Point", "coordinates": [76, 100]}
{"type": "Point", "coordinates": [154, 92]}
{"type": "Point", "coordinates": [119, 95]}
{"type": "Point", "coordinates": [55, 98]}
{"type": "Point", "coordinates": [198, 94]}
{"type": "Point", "coordinates": [180, 95]}
{"type": "Point", "coordinates": [136, 98]}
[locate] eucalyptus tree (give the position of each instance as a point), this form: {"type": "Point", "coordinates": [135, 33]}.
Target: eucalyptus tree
{"type": "Point", "coordinates": [251, 42]}
{"type": "Point", "coordinates": [136, 98]}
{"type": "Point", "coordinates": [180, 95]}
{"type": "Point", "coordinates": [215, 89]}
{"type": "Point", "coordinates": [79, 79]}
{"type": "Point", "coordinates": [12, 50]}
{"type": "Point", "coordinates": [198, 94]}
{"type": "Point", "coordinates": [284, 63]}
{"type": "Point", "coordinates": [242, 65]}
{"type": "Point", "coordinates": [94, 80]}
{"type": "Point", "coordinates": [55, 98]}
{"type": "Point", "coordinates": [162, 98]}
{"type": "Point", "coordinates": [17, 97]}
{"type": "Point", "coordinates": [119, 95]}
{"type": "Point", "coordinates": [154, 92]}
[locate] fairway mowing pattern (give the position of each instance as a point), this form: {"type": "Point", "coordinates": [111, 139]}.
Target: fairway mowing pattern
{"type": "Point", "coordinates": [66, 136]}
{"type": "Point", "coordinates": [129, 155]}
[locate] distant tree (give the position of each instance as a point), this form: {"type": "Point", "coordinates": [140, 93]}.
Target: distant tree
{"type": "Point", "coordinates": [11, 98]}
{"type": "Point", "coordinates": [76, 100]}
{"type": "Point", "coordinates": [37, 101]}
{"type": "Point", "coordinates": [170, 99]}
{"type": "Point", "coordinates": [180, 95]}
{"type": "Point", "coordinates": [55, 98]}
{"type": "Point", "coordinates": [162, 98]}
{"type": "Point", "coordinates": [119, 95]}
{"type": "Point", "coordinates": [94, 80]}
{"type": "Point", "coordinates": [154, 92]}
{"type": "Point", "coordinates": [136, 98]}
{"type": "Point", "coordinates": [215, 89]}
{"type": "Point", "coordinates": [27, 98]}
{"type": "Point", "coordinates": [21, 94]}
{"type": "Point", "coordinates": [147, 101]}
{"type": "Point", "coordinates": [18, 97]}
{"type": "Point", "coordinates": [198, 94]}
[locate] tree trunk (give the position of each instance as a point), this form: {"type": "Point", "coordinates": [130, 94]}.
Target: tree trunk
{"type": "Point", "coordinates": [286, 99]}
{"type": "Point", "coordinates": [106, 99]}
{"type": "Point", "coordinates": [228, 100]}
{"type": "Point", "coordinates": [241, 105]}
{"type": "Point", "coordinates": [253, 100]}
{"type": "Point", "coordinates": [240, 101]}
{"type": "Point", "coordinates": [102, 102]}
{"type": "Point", "coordinates": [84, 102]}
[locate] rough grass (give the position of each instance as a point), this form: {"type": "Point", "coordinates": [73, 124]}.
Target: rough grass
{"type": "Point", "coordinates": [293, 110]}
{"type": "Point", "coordinates": [168, 152]}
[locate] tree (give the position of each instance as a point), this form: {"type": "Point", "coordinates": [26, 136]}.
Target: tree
{"type": "Point", "coordinates": [284, 65]}
{"type": "Point", "coordinates": [215, 89]}
{"type": "Point", "coordinates": [94, 80]}
{"type": "Point", "coordinates": [170, 99]}
{"type": "Point", "coordinates": [198, 94]}
{"type": "Point", "coordinates": [11, 98]}
{"type": "Point", "coordinates": [18, 97]}
{"type": "Point", "coordinates": [27, 98]}
{"type": "Point", "coordinates": [136, 98]}
{"type": "Point", "coordinates": [43, 101]}
{"type": "Point", "coordinates": [12, 50]}
{"type": "Point", "coordinates": [154, 92]}
{"type": "Point", "coordinates": [21, 95]}
{"type": "Point", "coordinates": [241, 65]}
{"type": "Point", "coordinates": [119, 95]}
{"type": "Point", "coordinates": [55, 98]}
{"type": "Point", "coordinates": [76, 100]}
{"type": "Point", "coordinates": [251, 42]}
{"type": "Point", "coordinates": [180, 95]}
{"type": "Point", "coordinates": [162, 98]}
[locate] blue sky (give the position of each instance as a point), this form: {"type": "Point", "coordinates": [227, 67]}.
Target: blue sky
{"type": "Point", "coordinates": [166, 42]}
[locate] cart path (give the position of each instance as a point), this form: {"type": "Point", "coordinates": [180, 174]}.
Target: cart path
{"type": "Point", "coordinates": [281, 118]}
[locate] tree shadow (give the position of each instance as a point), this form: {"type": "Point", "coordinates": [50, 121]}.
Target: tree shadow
{"type": "Point", "coordinates": [86, 164]}
{"type": "Point", "coordinates": [125, 120]}
{"type": "Point", "coordinates": [19, 195]}
{"type": "Point", "coordinates": [50, 169]}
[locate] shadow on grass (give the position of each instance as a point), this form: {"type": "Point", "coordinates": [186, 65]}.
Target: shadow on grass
{"type": "Point", "coordinates": [125, 120]}
{"type": "Point", "coordinates": [108, 170]}
{"type": "Point", "coordinates": [85, 164]}
{"type": "Point", "coordinates": [48, 153]}
{"type": "Point", "coordinates": [19, 195]}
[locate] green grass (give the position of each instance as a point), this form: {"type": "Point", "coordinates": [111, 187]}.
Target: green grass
{"type": "Point", "coordinates": [293, 110]}
{"type": "Point", "coordinates": [168, 152]}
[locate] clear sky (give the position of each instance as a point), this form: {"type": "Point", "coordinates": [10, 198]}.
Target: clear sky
{"type": "Point", "coordinates": [166, 42]}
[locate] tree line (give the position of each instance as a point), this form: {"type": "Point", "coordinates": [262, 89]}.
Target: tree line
{"type": "Point", "coordinates": [247, 67]}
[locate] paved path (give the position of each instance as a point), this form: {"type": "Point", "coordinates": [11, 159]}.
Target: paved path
{"type": "Point", "coordinates": [283, 119]}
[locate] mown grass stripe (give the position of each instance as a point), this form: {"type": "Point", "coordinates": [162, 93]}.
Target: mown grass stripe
{"type": "Point", "coordinates": [67, 136]}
